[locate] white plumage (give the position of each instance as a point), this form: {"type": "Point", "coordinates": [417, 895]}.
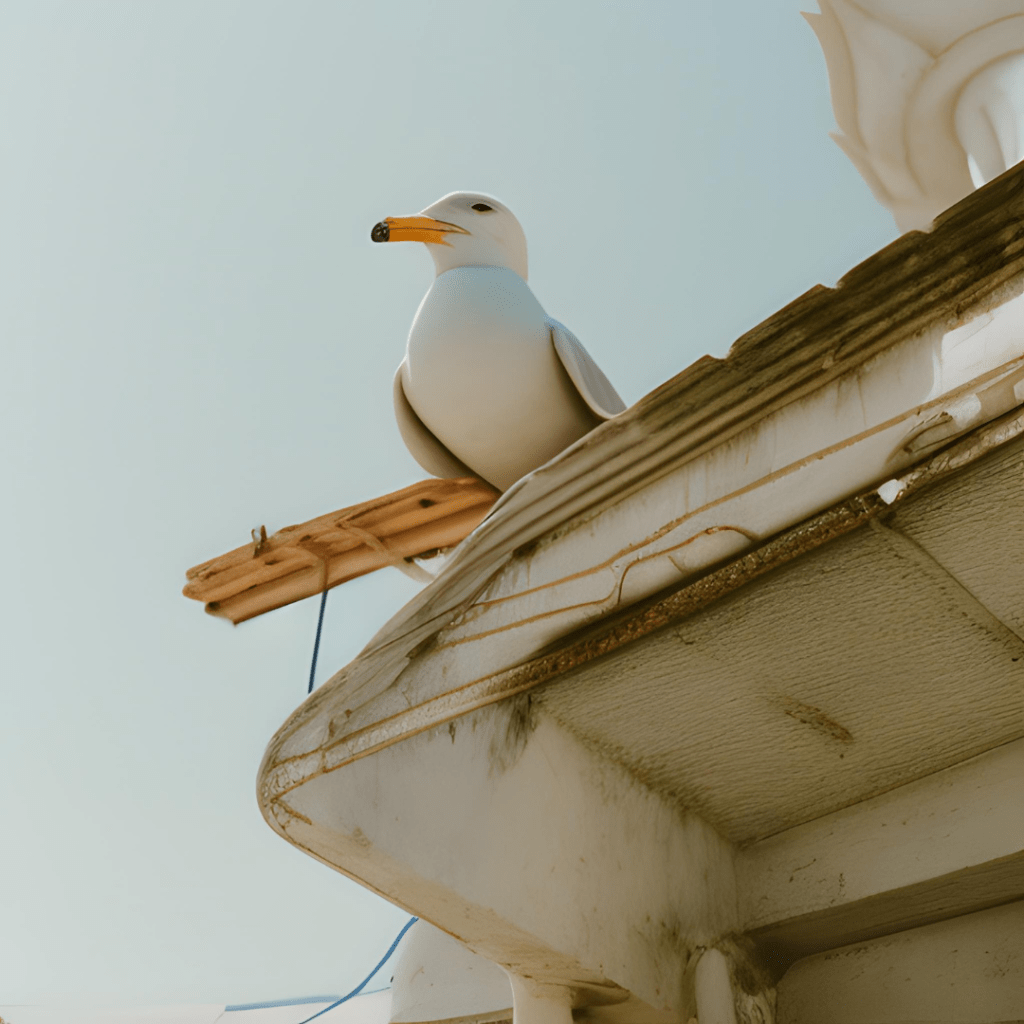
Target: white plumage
{"type": "Point", "coordinates": [490, 385]}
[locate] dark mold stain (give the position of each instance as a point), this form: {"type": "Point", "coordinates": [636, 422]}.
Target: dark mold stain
{"type": "Point", "coordinates": [520, 720]}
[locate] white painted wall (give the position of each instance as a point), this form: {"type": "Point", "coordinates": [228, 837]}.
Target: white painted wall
{"type": "Point", "coordinates": [968, 970]}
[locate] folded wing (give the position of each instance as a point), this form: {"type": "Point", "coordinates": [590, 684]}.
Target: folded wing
{"type": "Point", "coordinates": [425, 448]}
{"type": "Point", "coordinates": [593, 386]}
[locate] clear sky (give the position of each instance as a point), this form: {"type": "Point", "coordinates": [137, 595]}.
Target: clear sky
{"type": "Point", "coordinates": [198, 337]}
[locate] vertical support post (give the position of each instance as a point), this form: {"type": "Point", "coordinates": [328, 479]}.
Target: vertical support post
{"type": "Point", "coordinates": [539, 1004]}
{"type": "Point", "coordinates": [715, 1003]}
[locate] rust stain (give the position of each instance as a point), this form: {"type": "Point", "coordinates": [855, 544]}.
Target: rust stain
{"type": "Point", "coordinates": [808, 714]}
{"type": "Point", "coordinates": [291, 812]}
{"type": "Point", "coordinates": [539, 617]}
{"type": "Point", "coordinates": [615, 593]}
{"type": "Point", "coordinates": [709, 532]}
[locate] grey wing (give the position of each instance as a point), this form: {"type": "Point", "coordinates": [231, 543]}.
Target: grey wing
{"type": "Point", "coordinates": [433, 456]}
{"type": "Point", "coordinates": [593, 386]}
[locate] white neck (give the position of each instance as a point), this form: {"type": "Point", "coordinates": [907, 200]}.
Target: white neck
{"type": "Point", "coordinates": [480, 251]}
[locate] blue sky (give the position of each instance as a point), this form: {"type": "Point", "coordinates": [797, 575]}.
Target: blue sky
{"type": "Point", "coordinates": [199, 338]}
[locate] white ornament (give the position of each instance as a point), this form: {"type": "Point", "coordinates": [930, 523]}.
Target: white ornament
{"type": "Point", "coordinates": [928, 96]}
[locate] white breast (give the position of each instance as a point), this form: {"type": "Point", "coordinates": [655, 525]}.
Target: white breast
{"type": "Point", "coordinates": [482, 374]}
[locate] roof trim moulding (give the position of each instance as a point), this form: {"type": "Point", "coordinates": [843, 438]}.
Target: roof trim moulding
{"type": "Point", "coordinates": [665, 609]}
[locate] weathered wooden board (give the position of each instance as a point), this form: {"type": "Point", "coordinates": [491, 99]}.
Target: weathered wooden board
{"type": "Point", "coordinates": [302, 560]}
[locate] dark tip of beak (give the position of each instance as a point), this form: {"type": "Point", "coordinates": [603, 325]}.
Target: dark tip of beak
{"type": "Point", "coordinates": [380, 233]}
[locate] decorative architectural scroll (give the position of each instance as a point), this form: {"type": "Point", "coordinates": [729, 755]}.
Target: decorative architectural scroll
{"type": "Point", "coordinates": [928, 95]}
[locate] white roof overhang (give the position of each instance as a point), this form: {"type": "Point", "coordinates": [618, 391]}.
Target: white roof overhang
{"type": "Point", "coordinates": [754, 657]}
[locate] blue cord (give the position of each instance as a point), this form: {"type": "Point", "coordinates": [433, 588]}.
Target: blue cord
{"type": "Point", "coordinates": [316, 645]}
{"type": "Point", "coordinates": [366, 981]}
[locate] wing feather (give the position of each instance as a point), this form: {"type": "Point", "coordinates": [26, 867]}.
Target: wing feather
{"type": "Point", "coordinates": [593, 386]}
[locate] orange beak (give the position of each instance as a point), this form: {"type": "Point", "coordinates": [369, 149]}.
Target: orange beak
{"type": "Point", "coordinates": [415, 229]}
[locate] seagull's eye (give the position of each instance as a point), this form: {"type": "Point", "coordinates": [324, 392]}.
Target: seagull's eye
{"type": "Point", "coordinates": [482, 207]}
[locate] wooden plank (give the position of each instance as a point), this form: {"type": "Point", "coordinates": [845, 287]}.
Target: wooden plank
{"type": "Point", "coordinates": [302, 560]}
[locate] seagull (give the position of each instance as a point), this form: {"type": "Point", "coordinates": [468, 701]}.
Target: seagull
{"type": "Point", "coordinates": [490, 386]}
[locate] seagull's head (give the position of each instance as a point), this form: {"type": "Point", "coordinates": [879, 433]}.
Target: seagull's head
{"type": "Point", "coordinates": [464, 229]}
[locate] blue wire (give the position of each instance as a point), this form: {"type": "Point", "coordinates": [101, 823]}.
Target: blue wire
{"type": "Point", "coordinates": [316, 645]}
{"type": "Point", "coordinates": [366, 981]}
